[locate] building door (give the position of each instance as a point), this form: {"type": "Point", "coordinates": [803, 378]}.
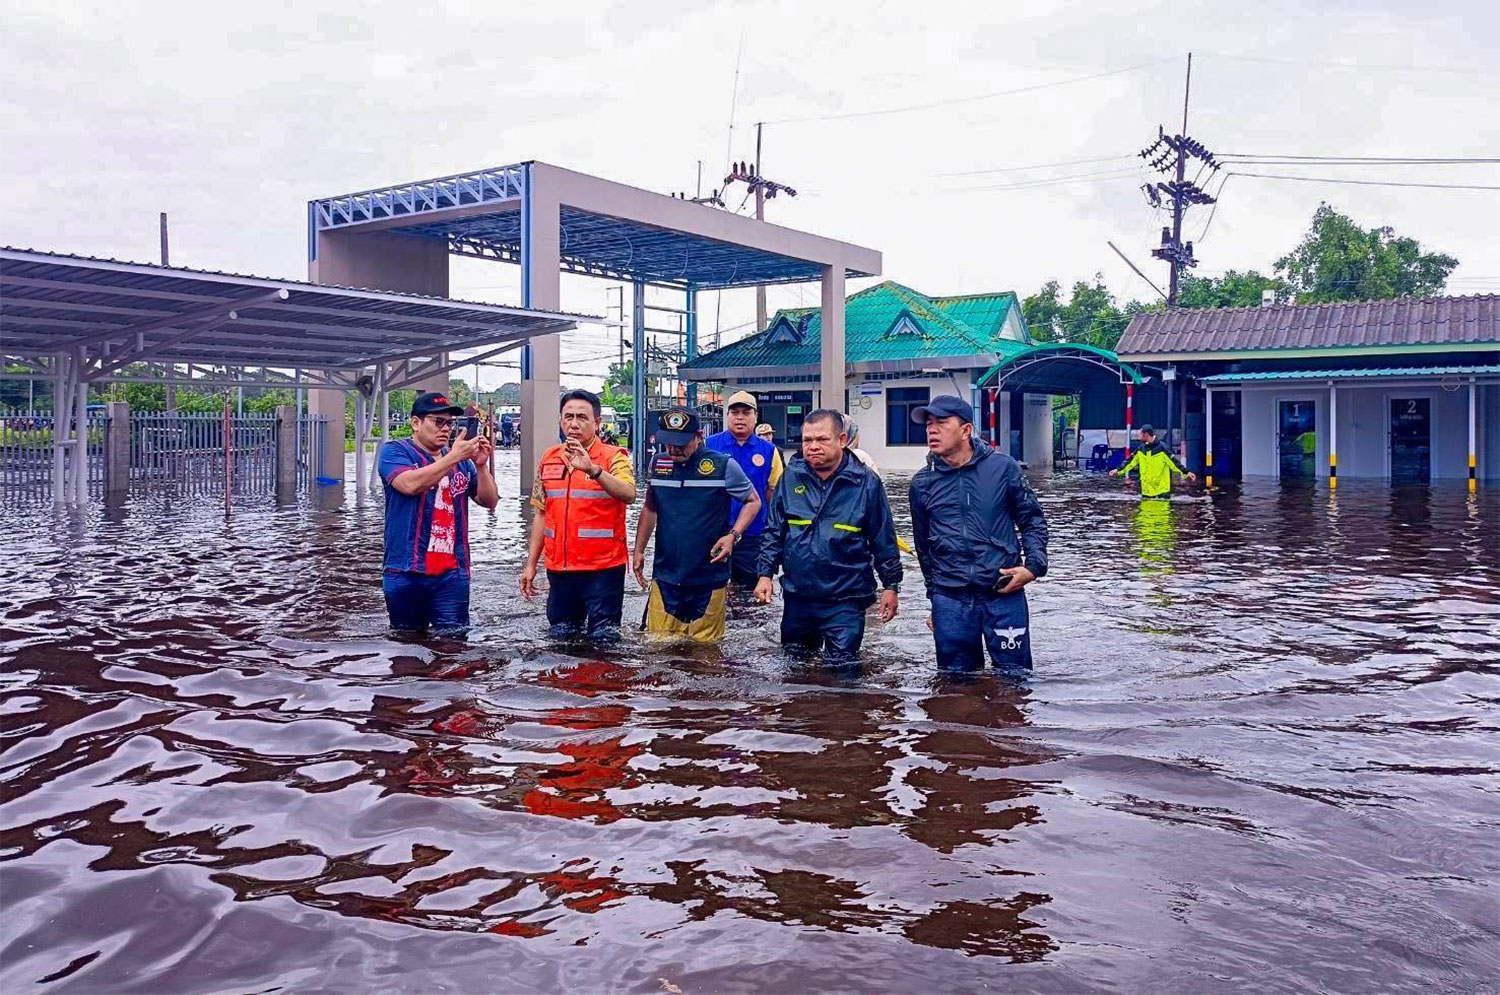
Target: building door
{"type": "Point", "coordinates": [1297, 439]}
{"type": "Point", "coordinates": [1411, 440]}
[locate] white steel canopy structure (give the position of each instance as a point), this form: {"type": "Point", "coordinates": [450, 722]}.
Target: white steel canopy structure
{"type": "Point", "coordinates": [79, 320]}
{"type": "Point", "coordinates": [551, 220]}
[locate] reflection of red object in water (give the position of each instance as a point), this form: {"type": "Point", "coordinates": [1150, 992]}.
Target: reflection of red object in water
{"type": "Point", "coordinates": [427, 769]}
{"type": "Point", "coordinates": [591, 717]}
{"type": "Point", "coordinates": [545, 803]}
{"type": "Point", "coordinates": [600, 891]}
{"type": "Point", "coordinates": [511, 927]}
{"type": "Point", "coordinates": [589, 677]}
{"type": "Point", "coordinates": [597, 766]}
{"type": "Point", "coordinates": [465, 723]}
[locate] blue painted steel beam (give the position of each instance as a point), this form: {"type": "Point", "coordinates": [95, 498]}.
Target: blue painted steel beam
{"type": "Point", "coordinates": [484, 186]}
{"type": "Point", "coordinates": [691, 343]}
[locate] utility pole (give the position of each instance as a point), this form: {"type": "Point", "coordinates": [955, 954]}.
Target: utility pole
{"type": "Point", "coordinates": [764, 190]}
{"type": "Point", "coordinates": [1169, 155]}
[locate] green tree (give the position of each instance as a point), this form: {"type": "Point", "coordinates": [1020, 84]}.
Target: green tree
{"type": "Point", "coordinates": [1040, 311]}
{"type": "Point", "coordinates": [1337, 260]}
{"type": "Point", "coordinates": [1233, 289]}
{"type": "Point", "coordinates": [618, 387]}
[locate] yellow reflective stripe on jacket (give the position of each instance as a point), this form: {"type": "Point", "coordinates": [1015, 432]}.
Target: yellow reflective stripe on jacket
{"type": "Point", "coordinates": [799, 521]}
{"type": "Point", "coordinates": [847, 528]}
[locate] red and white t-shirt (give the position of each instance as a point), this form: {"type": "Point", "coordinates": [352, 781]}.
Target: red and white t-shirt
{"type": "Point", "coordinates": [440, 555]}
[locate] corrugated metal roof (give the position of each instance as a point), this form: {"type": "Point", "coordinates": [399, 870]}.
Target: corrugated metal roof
{"type": "Point", "coordinates": [1382, 373]}
{"type": "Point", "coordinates": [52, 302]}
{"type": "Point", "coordinates": [1433, 321]}
{"type": "Point", "coordinates": [869, 318]}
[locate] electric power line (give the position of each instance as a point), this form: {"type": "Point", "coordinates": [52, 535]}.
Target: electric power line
{"type": "Point", "coordinates": [1039, 165]}
{"type": "Point", "coordinates": [951, 101]}
{"type": "Point", "coordinates": [1367, 183]}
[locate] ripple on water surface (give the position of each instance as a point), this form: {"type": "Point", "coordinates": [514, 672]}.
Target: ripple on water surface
{"type": "Point", "coordinates": [1258, 752]}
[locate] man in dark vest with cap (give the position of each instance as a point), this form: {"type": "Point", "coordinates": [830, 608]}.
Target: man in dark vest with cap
{"type": "Point", "coordinates": [689, 489]}
{"type": "Point", "coordinates": [761, 461]}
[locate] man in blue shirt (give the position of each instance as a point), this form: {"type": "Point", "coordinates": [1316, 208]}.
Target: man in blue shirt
{"type": "Point", "coordinates": [761, 461]}
{"type": "Point", "coordinates": [428, 486]}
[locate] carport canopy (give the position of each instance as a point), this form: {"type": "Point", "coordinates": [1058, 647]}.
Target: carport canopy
{"type": "Point", "coordinates": [103, 315]}
{"type": "Point", "coordinates": [1060, 368]}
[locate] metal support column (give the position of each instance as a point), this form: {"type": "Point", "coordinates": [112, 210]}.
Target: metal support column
{"type": "Point", "coordinates": [80, 434]}
{"type": "Point", "coordinates": [61, 409]}
{"type": "Point", "coordinates": [1208, 436]}
{"type": "Point", "coordinates": [690, 346]}
{"type": "Point", "coordinates": [1129, 415]}
{"type": "Point", "coordinates": [1473, 433]}
{"type": "Point", "coordinates": [1333, 435]}
{"type": "Point", "coordinates": [638, 380]}
{"type": "Point", "coordinates": [361, 419]}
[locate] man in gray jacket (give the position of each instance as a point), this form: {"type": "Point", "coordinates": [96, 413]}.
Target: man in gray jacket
{"type": "Point", "coordinates": [981, 538]}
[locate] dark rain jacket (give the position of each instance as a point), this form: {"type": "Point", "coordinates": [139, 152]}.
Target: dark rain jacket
{"type": "Point", "coordinates": [828, 534]}
{"type": "Point", "coordinates": [966, 519]}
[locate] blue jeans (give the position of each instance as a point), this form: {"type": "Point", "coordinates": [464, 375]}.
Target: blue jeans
{"type": "Point", "coordinates": [967, 622]}
{"type": "Point", "coordinates": [422, 601]}
{"type": "Point", "coordinates": [835, 627]}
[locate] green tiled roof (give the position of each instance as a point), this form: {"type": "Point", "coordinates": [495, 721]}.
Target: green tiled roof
{"type": "Point", "coordinates": [874, 330]}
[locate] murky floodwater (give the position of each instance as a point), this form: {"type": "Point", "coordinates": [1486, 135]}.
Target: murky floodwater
{"type": "Point", "coordinates": [1259, 752]}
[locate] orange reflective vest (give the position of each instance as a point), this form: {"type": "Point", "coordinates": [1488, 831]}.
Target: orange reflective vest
{"type": "Point", "coordinates": [584, 526]}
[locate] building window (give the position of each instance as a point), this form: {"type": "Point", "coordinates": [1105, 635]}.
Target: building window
{"type": "Point", "coordinates": [900, 402]}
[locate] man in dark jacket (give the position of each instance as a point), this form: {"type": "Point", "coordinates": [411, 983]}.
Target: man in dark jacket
{"type": "Point", "coordinates": [829, 524]}
{"type": "Point", "coordinates": [967, 506]}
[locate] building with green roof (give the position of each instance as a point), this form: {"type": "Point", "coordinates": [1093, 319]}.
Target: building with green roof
{"type": "Point", "coordinates": [902, 348]}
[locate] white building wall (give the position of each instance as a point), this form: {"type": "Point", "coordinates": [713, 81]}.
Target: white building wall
{"type": "Point", "coordinates": [1364, 425]}
{"type": "Point", "coordinates": [1036, 433]}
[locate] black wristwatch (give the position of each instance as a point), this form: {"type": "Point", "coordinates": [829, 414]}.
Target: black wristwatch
{"type": "Point", "coordinates": [737, 536]}
{"type": "Point", "coordinates": [596, 473]}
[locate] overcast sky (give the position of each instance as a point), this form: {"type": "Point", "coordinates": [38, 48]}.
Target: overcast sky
{"type": "Point", "coordinates": [231, 117]}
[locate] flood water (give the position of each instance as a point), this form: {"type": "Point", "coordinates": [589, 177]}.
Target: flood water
{"type": "Point", "coordinates": [1259, 752]}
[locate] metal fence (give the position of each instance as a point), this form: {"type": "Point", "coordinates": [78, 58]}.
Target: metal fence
{"type": "Point", "coordinates": [312, 436]}
{"type": "Point", "coordinates": [184, 451]}
{"type": "Point", "coordinates": [189, 450]}
{"type": "Point", "coordinates": [26, 452]}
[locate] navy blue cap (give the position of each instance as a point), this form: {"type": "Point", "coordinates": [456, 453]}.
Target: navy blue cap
{"type": "Point", "coordinates": [433, 403]}
{"type": "Point", "coordinates": [678, 426]}
{"type": "Point", "coordinates": [944, 406]}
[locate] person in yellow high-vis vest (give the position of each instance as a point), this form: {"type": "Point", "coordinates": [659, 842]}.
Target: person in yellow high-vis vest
{"type": "Point", "coordinates": [1156, 464]}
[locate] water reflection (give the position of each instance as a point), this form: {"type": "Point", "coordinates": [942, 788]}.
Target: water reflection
{"type": "Point", "coordinates": [206, 733]}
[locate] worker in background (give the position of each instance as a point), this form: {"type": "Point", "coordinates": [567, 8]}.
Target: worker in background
{"type": "Point", "coordinates": [1156, 465]}
{"type": "Point", "coordinates": [690, 489]}
{"type": "Point", "coordinates": [852, 427]}
{"type": "Point", "coordinates": [765, 431]}
{"type": "Point", "coordinates": [761, 461]}
{"type": "Point", "coordinates": [581, 491]}
{"type": "Point", "coordinates": [829, 532]}
{"type": "Point", "coordinates": [428, 486]}
{"type": "Point", "coordinates": [981, 538]}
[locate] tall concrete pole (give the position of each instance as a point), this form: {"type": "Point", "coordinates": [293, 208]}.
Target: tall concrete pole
{"type": "Point", "coordinates": [760, 215]}
{"type": "Point", "coordinates": [832, 360]}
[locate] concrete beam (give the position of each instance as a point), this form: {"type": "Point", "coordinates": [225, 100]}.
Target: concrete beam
{"type": "Point", "coordinates": [832, 378]}
{"type": "Point", "coordinates": [617, 200]}
{"type": "Point", "coordinates": [541, 363]}
{"type": "Point", "coordinates": [286, 452]}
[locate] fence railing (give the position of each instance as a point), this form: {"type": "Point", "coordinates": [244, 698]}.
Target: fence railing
{"type": "Point", "coordinates": [181, 450]}
{"type": "Point", "coordinates": [26, 452]}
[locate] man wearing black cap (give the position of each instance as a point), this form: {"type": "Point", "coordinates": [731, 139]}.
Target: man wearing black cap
{"type": "Point", "coordinates": [689, 488]}
{"type": "Point", "coordinates": [428, 486]}
{"type": "Point", "coordinates": [981, 537]}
